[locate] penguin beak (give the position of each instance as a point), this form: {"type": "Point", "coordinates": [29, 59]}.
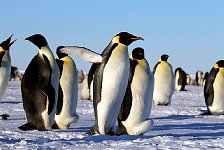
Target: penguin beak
{"type": "Point", "coordinates": [10, 44]}
{"type": "Point", "coordinates": [136, 38]}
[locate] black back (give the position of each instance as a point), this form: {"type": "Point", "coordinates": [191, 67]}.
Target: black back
{"type": "Point", "coordinates": [60, 92]}
{"type": "Point", "coordinates": [182, 78]}
{"type": "Point", "coordinates": [208, 89]}
{"type": "Point", "coordinates": [35, 85]}
{"type": "Point", "coordinates": [154, 69]}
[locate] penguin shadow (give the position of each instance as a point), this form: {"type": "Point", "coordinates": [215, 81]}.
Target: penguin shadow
{"type": "Point", "coordinates": [176, 117]}
{"type": "Point", "coordinates": [10, 102]}
{"type": "Point", "coordinates": [199, 131]}
{"type": "Point", "coordinates": [75, 129]}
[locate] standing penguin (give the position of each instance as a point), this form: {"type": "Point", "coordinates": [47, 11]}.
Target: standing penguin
{"type": "Point", "coordinates": [39, 87]}
{"type": "Point", "coordinates": [199, 78]}
{"type": "Point", "coordinates": [214, 90]}
{"type": "Point", "coordinates": [180, 79]}
{"type": "Point", "coordinates": [136, 107]}
{"type": "Point", "coordinates": [110, 80]}
{"type": "Point", "coordinates": [68, 92]}
{"type": "Point", "coordinates": [5, 64]}
{"type": "Point", "coordinates": [163, 82]}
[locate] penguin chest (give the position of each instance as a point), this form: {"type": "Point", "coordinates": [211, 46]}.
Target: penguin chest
{"type": "Point", "coordinates": [218, 86]}
{"type": "Point", "coordinates": [177, 76]}
{"type": "Point", "coordinates": [114, 83]}
{"type": "Point", "coordinates": [69, 85]}
{"type": "Point", "coordinates": [164, 78]}
{"type": "Point", "coordinates": [5, 71]}
{"type": "Point", "coordinates": [142, 91]}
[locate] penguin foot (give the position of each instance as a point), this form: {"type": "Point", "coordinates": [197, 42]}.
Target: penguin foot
{"type": "Point", "coordinates": [26, 127]}
{"type": "Point", "coordinates": [110, 133]}
{"type": "Point", "coordinates": [55, 126]}
{"type": "Point", "coordinates": [121, 130]}
{"type": "Point", "coordinates": [4, 116]}
{"type": "Point", "coordinates": [92, 131]}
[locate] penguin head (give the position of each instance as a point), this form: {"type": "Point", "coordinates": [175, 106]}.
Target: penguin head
{"type": "Point", "coordinates": [59, 53]}
{"type": "Point", "coordinates": [127, 38]}
{"type": "Point", "coordinates": [219, 64]}
{"type": "Point", "coordinates": [164, 57]}
{"type": "Point", "coordinates": [138, 53]}
{"type": "Point", "coordinates": [7, 43]}
{"type": "Point", "coordinates": [38, 40]}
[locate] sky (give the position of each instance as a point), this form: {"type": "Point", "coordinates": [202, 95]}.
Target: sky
{"type": "Point", "coordinates": [191, 32]}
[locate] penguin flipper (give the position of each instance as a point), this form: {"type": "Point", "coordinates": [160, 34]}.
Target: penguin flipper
{"type": "Point", "coordinates": [83, 53]}
{"type": "Point", "coordinates": [26, 127]}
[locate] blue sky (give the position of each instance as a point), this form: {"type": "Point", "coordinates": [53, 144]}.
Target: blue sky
{"type": "Point", "coordinates": [190, 31]}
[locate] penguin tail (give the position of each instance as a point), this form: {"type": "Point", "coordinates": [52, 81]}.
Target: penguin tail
{"type": "Point", "coordinates": [26, 127]}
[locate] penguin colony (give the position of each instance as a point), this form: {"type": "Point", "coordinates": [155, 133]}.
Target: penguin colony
{"type": "Point", "coordinates": [49, 86]}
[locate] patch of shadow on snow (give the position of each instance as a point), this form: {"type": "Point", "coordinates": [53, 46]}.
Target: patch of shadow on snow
{"type": "Point", "coordinates": [176, 117]}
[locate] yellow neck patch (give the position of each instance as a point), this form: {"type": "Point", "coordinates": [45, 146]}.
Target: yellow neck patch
{"type": "Point", "coordinates": [216, 66]}
{"type": "Point", "coordinates": [116, 39]}
{"type": "Point", "coordinates": [1, 49]}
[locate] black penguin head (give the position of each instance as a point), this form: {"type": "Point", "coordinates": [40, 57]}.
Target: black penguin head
{"type": "Point", "coordinates": [127, 38]}
{"type": "Point", "coordinates": [164, 57]}
{"type": "Point", "coordinates": [38, 40]}
{"type": "Point", "coordinates": [138, 53]}
{"type": "Point", "coordinates": [219, 64]}
{"type": "Point", "coordinates": [7, 43]}
{"type": "Point", "coordinates": [60, 54]}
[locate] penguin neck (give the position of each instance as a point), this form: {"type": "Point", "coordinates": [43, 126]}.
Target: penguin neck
{"type": "Point", "coordinates": [47, 52]}
{"type": "Point", "coordinates": [6, 60]}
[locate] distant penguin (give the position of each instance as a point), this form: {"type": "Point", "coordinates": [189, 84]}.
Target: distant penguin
{"type": "Point", "coordinates": [180, 79]}
{"type": "Point", "coordinates": [68, 92]}
{"type": "Point", "coordinates": [205, 78]}
{"type": "Point", "coordinates": [110, 80]}
{"type": "Point", "coordinates": [87, 85]}
{"type": "Point", "coordinates": [136, 107]}
{"type": "Point", "coordinates": [188, 80]}
{"type": "Point", "coordinates": [84, 89]}
{"type": "Point", "coordinates": [5, 65]}
{"type": "Point", "coordinates": [39, 87]}
{"type": "Point", "coordinates": [199, 78]}
{"type": "Point", "coordinates": [81, 76]}
{"type": "Point", "coordinates": [214, 90]}
{"type": "Point", "coordinates": [163, 82]}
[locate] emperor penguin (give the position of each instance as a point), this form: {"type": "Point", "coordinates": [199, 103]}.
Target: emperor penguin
{"type": "Point", "coordinates": [5, 65]}
{"type": "Point", "coordinates": [110, 79]}
{"type": "Point", "coordinates": [163, 82]}
{"type": "Point", "coordinates": [68, 92]}
{"type": "Point", "coordinates": [39, 87]}
{"type": "Point", "coordinates": [199, 78]}
{"type": "Point", "coordinates": [136, 107]}
{"type": "Point", "coordinates": [180, 79]}
{"type": "Point", "coordinates": [214, 90]}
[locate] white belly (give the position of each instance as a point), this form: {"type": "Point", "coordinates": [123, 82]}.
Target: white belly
{"type": "Point", "coordinates": [163, 84]}
{"type": "Point", "coordinates": [177, 86]}
{"type": "Point", "coordinates": [69, 85]}
{"type": "Point", "coordinates": [218, 101]}
{"type": "Point", "coordinates": [114, 83]}
{"type": "Point", "coordinates": [142, 92]}
{"type": "Point", "coordinates": [5, 71]}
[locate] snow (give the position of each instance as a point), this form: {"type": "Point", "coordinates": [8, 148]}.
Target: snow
{"type": "Point", "coordinates": [178, 126]}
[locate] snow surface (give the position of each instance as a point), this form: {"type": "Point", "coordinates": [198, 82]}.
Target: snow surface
{"type": "Point", "coordinates": [179, 126]}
